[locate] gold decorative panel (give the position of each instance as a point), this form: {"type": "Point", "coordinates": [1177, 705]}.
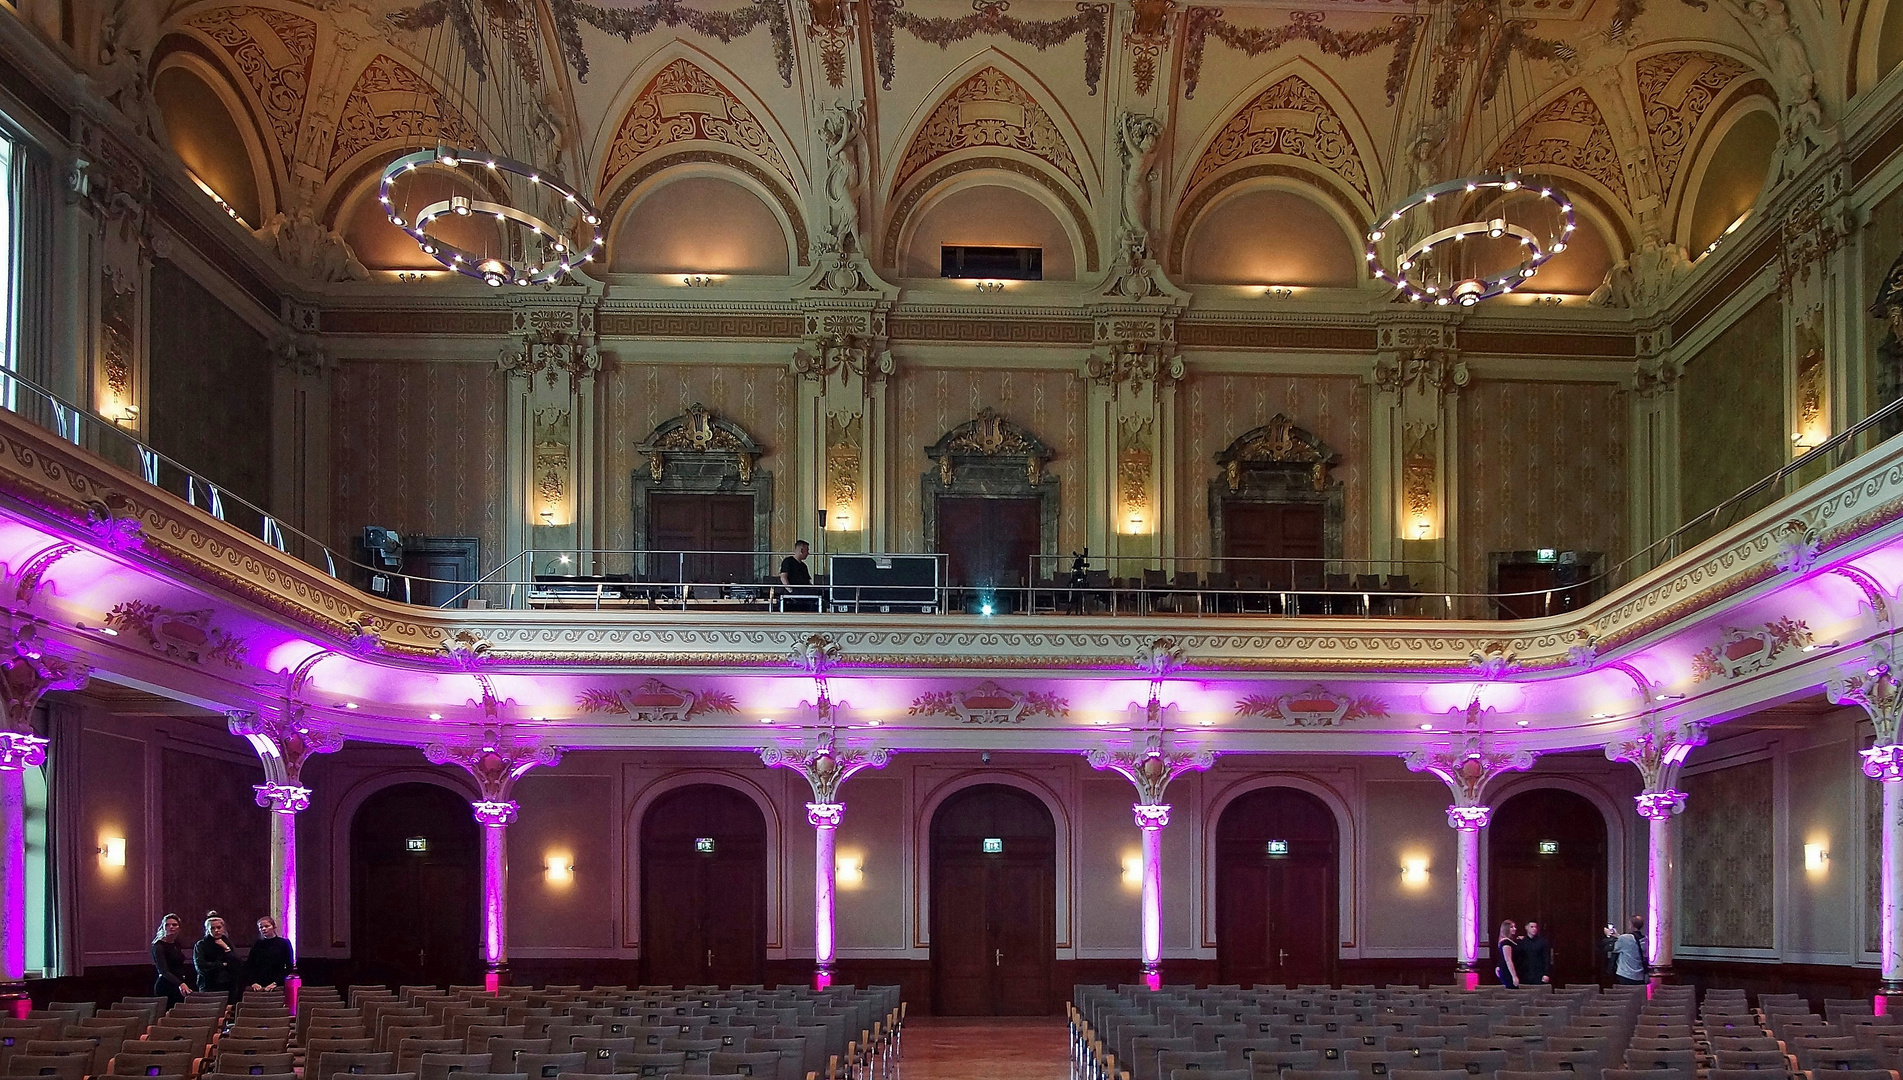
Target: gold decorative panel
{"type": "Point", "coordinates": [1725, 835]}
{"type": "Point", "coordinates": [272, 49]}
{"type": "Point", "coordinates": [685, 104]}
{"type": "Point", "coordinates": [1676, 89]}
{"type": "Point", "coordinates": [391, 102]}
{"type": "Point", "coordinates": [1289, 118]}
{"type": "Point", "coordinates": [1569, 132]}
{"type": "Point", "coordinates": [988, 109]}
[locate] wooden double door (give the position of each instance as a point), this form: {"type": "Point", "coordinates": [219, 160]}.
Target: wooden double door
{"type": "Point", "coordinates": [994, 904]}
{"type": "Point", "coordinates": [988, 544]}
{"type": "Point", "coordinates": [1277, 883]}
{"type": "Point", "coordinates": [700, 523]}
{"type": "Point", "coordinates": [1280, 543]}
{"type": "Point", "coordinates": [1546, 863]}
{"type": "Point", "coordinates": [415, 859]}
{"type": "Point", "coordinates": [703, 888]}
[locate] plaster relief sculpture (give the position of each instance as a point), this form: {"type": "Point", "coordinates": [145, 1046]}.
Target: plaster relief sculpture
{"type": "Point", "coordinates": [1137, 138]}
{"type": "Point", "coordinates": [310, 250]}
{"type": "Point", "coordinates": [840, 126]}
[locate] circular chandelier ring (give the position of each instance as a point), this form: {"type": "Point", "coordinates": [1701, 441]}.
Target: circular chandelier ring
{"type": "Point", "coordinates": [493, 271]}
{"type": "Point", "coordinates": [1481, 287]}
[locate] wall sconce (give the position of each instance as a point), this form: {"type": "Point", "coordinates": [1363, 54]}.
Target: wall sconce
{"type": "Point", "coordinates": [1133, 871]}
{"type": "Point", "coordinates": [849, 871]}
{"type": "Point", "coordinates": [1277, 292]}
{"type": "Point", "coordinates": [697, 281]}
{"type": "Point", "coordinates": [1414, 872]}
{"type": "Point", "coordinates": [112, 851]}
{"type": "Point", "coordinates": [126, 416]}
{"type": "Point", "coordinates": [989, 286]}
{"type": "Point", "coordinates": [561, 868]}
{"type": "Point", "coordinates": [1816, 856]}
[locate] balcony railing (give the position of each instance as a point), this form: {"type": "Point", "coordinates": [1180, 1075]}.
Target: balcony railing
{"type": "Point", "coordinates": [1117, 586]}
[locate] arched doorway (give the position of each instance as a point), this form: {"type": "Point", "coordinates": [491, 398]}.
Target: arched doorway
{"type": "Point", "coordinates": [703, 888]}
{"type": "Point", "coordinates": [994, 903]}
{"type": "Point", "coordinates": [415, 888]}
{"type": "Point", "coordinates": [1277, 883]}
{"type": "Point", "coordinates": [1546, 863]}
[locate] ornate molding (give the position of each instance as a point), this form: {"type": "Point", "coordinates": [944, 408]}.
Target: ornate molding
{"type": "Point", "coordinates": [990, 705]}
{"type": "Point", "coordinates": [655, 702]}
{"type": "Point", "coordinates": [1315, 707]}
{"type": "Point", "coordinates": [1151, 766]}
{"type": "Point", "coordinates": [495, 760]}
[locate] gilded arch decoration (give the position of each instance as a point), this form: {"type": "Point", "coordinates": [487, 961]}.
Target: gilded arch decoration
{"type": "Point", "coordinates": [1676, 91]}
{"type": "Point", "coordinates": [683, 103]}
{"type": "Point", "coordinates": [1292, 119]}
{"type": "Point", "coordinates": [903, 209]}
{"type": "Point", "coordinates": [1201, 200]}
{"type": "Point", "coordinates": [391, 102]}
{"type": "Point", "coordinates": [1568, 132]}
{"type": "Point", "coordinates": [988, 108]}
{"type": "Point", "coordinates": [272, 51]}
{"type": "Point", "coordinates": [1279, 463]}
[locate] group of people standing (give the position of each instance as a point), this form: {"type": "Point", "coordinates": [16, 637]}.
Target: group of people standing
{"type": "Point", "coordinates": [215, 965]}
{"type": "Point", "coordinates": [1528, 960]}
{"type": "Point", "coordinates": [1522, 961]}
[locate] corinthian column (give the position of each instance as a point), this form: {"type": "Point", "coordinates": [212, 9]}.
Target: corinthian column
{"type": "Point", "coordinates": [1878, 692]}
{"type": "Point", "coordinates": [284, 742]}
{"type": "Point", "coordinates": [1658, 751]}
{"type": "Point", "coordinates": [1468, 767]}
{"type": "Point", "coordinates": [495, 761]}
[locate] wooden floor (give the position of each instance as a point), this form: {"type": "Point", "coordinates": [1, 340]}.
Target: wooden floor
{"type": "Point", "coordinates": [984, 1048]}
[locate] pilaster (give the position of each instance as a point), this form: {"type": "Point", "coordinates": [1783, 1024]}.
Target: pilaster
{"type": "Point", "coordinates": [1417, 377]}
{"type": "Point", "coordinates": [1821, 309]}
{"type": "Point", "coordinates": [841, 494]}
{"type": "Point", "coordinates": [551, 473]}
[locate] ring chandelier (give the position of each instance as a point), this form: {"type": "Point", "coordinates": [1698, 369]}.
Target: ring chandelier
{"type": "Point", "coordinates": [1441, 267]}
{"type": "Point", "coordinates": [558, 243]}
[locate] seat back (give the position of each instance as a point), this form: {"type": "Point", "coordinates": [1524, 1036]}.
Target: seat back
{"type": "Point", "coordinates": [60, 1066]}
{"type": "Point", "coordinates": [765, 1066]}
{"type": "Point", "coordinates": [252, 1064]}
{"type": "Point", "coordinates": [438, 1066]}
{"type": "Point", "coordinates": [549, 1066]}
{"type": "Point", "coordinates": [1477, 1062]}
{"type": "Point", "coordinates": [355, 1063]}
{"type": "Point", "coordinates": [651, 1063]}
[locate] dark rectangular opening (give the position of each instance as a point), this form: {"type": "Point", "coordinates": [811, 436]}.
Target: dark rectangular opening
{"type": "Point", "coordinates": [1008, 263]}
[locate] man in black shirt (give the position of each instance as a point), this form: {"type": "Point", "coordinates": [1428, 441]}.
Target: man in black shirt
{"type": "Point", "coordinates": [793, 568]}
{"type": "Point", "coordinates": [1537, 967]}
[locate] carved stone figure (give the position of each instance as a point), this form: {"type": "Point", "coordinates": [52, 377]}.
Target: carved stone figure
{"type": "Point", "coordinates": [1803, 126]}
{"type": "Point", "coordinates": [1645, 277]}
{"type": "Point", "coordinates": [549, 138]}
{"type": "Point", "coordinates": [303, 244]}
{"type": "Point", "coordinates": [127, 36]}
{"type": "Point", "coordinates": [1137, 139]}
{"type": "Point", "coordinates": [839, 127]}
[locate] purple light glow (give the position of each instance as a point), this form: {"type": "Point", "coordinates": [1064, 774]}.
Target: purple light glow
{"type": "Point", "coordinates": [495, 816]}
{"type": "Point", "coordinates": [824, 818]}
{"type": "Point", "coordinates": [1890, 906]}
{"type": "Point", "coordinates": [1467, 888]}
{"type": "Point", "coordinates": [13, 878]}
{"type": "Point", "coordinates": [1152, 820]}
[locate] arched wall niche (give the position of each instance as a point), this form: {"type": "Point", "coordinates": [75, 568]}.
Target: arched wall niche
{"type": "Point", "coordinates": [1729, 175]}
{"type": "Point", "coordinates": [1875, 45]}
{"type": "Point", "coordinates": [1590, 253]}
{"type": "Point", "coordinates": [990, 208]}
{"type": "Point", "coordinates": [339, 830]}
{"type": "Point", "coordinates": [379, 245]}
{"type": "Point", "coordinates": [1618, 834]}
{"type": "Point", "coordinates": [700, 219]}
{"type": "Point", "coordinates": [993, 117]}
{"type": "Point", "coordinates": [776, 867]}
{"type": "Point", "coordinates": [208, 124]}
{"type": "Point", "coordinates": [654, 173]}
{"type": "Point", "coordinates": [1273, 231]}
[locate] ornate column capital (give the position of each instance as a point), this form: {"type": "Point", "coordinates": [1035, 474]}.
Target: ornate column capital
{"type": "Point", "coordinates": [826, 765]}
{"type": "Point", "coordinates": [21, 750]}
{"type": "Point", "coordinates": [284, 740]}
{"type": "Point", "coordinates": [1660, 805]}
{"type": "Point", "coordinates": [1152, 815]}
{"type": "Point", "coordinates": [31, 672]}
{"type": "Point", "coordinates": [1467, 768]}
{"type": "Point", "coordinates": [495, 813]}
{"type": "Point", "coordinates": [496, 761]}
{"type": "Point", "coordinates": [1658, 751]}
{"type": "Point", "coordinates": [825, 815]}
{"type": "Point", "coordinates": [1151, 767]}
{"type": "Point", "coordinates": [1877, 691]}
{"type": "Point", "coordinates": [1883, 763]}
{"type": "Point", "coordinates": [283, 798]}
{"type": "Point", "coordinates": [1469, 818]}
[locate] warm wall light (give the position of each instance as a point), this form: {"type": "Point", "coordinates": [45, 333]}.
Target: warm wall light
{"type": "Point", "coordinates": [1414, 872]}
{"type": "Point", "coordinates": [1133, 871]}
{"type": "Point", "coordinates": [112, 851]}
{"type": "Point", "coordinates": [561, 868]}
{"type": "Point", "coordinates": [1816, 856]}
{"type": "Point", "coordinates": [849, 870]}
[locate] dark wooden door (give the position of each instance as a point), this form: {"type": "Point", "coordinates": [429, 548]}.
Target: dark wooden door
{"type": "Point", "coordinates": [989, 544]}
{"type": "Point", "coordinates": [1277, 882]}
{"type": "Point", "coordinates": [415, 914]}
{"type": "Point", "coordinates": [703, 888]}
{"type": "Point", "coordinates": [994, 913]}
{"type": "Point", "coordinates": [1281, 543]}
{"type": "Point", "coordinates": [1563, 890]}
{"type": "Point", "coordinates": [700, 523]}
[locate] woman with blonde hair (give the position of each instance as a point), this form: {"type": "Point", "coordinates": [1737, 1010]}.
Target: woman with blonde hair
{"type": "Point", "coordinates": [1505, 944]}
{"type": "Point", "coordinates": [217, 962]}
{"type": "Point", "coordinates": [173, 981]}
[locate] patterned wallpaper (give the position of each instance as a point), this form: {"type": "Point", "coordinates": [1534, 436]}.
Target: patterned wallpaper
{"type": "Point", "coordinates": [925, 403]}
{"type": "Point", "coordinates": [419, 448]}
{"type": "Point", "coordinates": [209, 387]}
{"type": "Point", "coordinates": [1731, 411]}
{"type": "Point", "coordinates": [209, 816]}
{"type": "Point", "coordinates": [1542, 465]}
{"type": "Point", "coordinates": [1725, 839]}
{"type": "Point", "coordinates": [1218, 408]}
{"type": "Point", "coordinates": [637, 398]}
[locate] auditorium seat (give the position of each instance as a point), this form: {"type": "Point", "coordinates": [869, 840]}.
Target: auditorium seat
{"type": "Point", "coordinates": [1475, 1062]}
{"type": "Point", "coordinates": [765, 1066]}
{"type": "Point", "coordinates": [230, 1064]}
{"type": "Point", "coordinates": [547, 1066]}
{"type": "Point", "coordinates": [58, 1066]}
{"type": "Point", "coordinates": [334, 1063]}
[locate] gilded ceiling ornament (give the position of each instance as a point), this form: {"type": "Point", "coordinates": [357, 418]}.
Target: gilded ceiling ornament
{"type": "Point", "coordinates": [829, 22]}
{"type": "Point", "coordinates": [1676, 89]}
{"type": "Point", "coordinates": [289, 737]}
{"type": "Point", "coordinates": [1151, 766]}
{"type": "Point", "coordinates": [656, 702]}
{"type": "Point", "coordinates": [1092, 21]}
{"type": "Point", "coordinates": [1151, 23]}
{"type": "Point", "coordinates": [683, 103]}
{"type": "Point", "coordinates": [827, 765]}
{"type": "Point", "coordinates": [178, 635]}
{"type": "Point", "coordinates": [391, 103]}
{"type": "Point", "coordinates": [699, 431]}
{"type": "Point", "coordinates": [1292, 119]}
{"type": "Point", "coordinates": [1658, 750]}
{"type": "Point", "coordinates": [272, 50]}
{"type": "Point", "coordinates": [1741, 652]}
{"type": "Point", "coordinates": [30, 672]}
{"type": "Point", "coordinates": [1569, 132]}
{"type": "Point", "coordinates": [495, 760]}
{"type": "Point", "coordinates": [628, 22]}
{"type": "Point", "coordinates": [988, 109]}
{"type": "Point", "coordinates": [1202, 23]}
{"type": "Point", "coordinates": [1467, 767]}
{"type": "Point", "coordinates": [1316, 706]}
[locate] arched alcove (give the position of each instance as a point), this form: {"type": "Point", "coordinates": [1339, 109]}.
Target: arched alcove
{"type": "Point", "coordinates": [994, 903]}
{"type": "Point", "coordinates": [1889, 41]}
{"type": "Point", "coordinates": [1546, 863]}
{"type": "Point", "coordinates": [988, 215]}
{"type": "Point", "coordinates": [1730, 178]}
{"type": "Point", "coordinates": [699, 224]}
{"type": "Point", "coordinates": [208, 139]}
{"type": "Point", "coordinates": [416, 873]}
{"type": "Point", "coordinates": [1270, 236]}
{"type": "Point", "coordinates": [703, 888]}
{"type": "Point", "coordinates": [1277, 889]}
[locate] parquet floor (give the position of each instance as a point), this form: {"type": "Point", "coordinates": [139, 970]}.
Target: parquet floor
{"type": "Point", "coordinates": [971, 1048]}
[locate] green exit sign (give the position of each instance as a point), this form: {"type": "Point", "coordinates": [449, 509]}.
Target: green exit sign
{"type": "Point", "coordinates": [1549, 847]}
{"type": "Point", "coordinates": [417, 844]}
{"type": "Point", "coordinates": [994, 845]}
{"type": "Point", "coordinates": [1277, 847]}
{"type": "Point", "coordinates": [704, 845]}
